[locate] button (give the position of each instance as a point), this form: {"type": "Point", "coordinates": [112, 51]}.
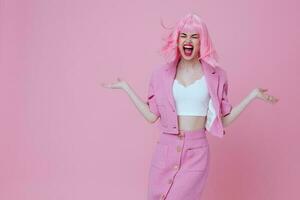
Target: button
{"type": "Point", "coordinates": [176, 166]}
{"type": "Point", "coordinates": [170, 181]}
{"type": "Point", "coordinates": [178, 148]}
{"type": "Point", "coordinates": [174, 126]}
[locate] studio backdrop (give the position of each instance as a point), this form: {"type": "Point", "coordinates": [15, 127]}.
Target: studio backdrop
{"type": "Point", "coordinates": [64, 137]}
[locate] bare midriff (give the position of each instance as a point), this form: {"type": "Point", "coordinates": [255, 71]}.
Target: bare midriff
{"type": "Point", "coordinates": [191, 123]}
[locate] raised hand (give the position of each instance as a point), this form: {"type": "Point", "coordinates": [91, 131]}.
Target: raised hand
{"type": "Point", "coordinates": [119, 84]}
{"type": "Point", "coordinates": [261, 94]}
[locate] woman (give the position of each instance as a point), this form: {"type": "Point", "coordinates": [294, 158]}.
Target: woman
{"type": "Point", "coordinates": [189, 96]}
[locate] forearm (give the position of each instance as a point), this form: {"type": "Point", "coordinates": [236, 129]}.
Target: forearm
{"type": "Point", "coordinates": [237, 110]}
{"type": "Point", "coordinates": [142, 106]}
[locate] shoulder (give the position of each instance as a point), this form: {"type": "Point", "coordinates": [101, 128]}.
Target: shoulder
{"type": "Point", "coordinates": [222, 72]}
{"type": "Point", "coordinates": [156, 74]}
{"type": "Point", "coordinates": [158, 71]}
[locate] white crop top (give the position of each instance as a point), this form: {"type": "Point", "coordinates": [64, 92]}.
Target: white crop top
{"type": "Point", "coordinates": [193, 99]}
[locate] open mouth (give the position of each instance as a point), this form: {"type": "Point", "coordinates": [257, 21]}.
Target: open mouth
{"type": "Point", "coordinates": [188, 49]}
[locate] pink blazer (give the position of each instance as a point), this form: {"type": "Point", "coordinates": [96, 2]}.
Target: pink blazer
{"type": "Point", "coordinates": [161, 101]}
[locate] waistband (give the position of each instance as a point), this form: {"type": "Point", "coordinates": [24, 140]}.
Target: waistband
{"type": "Point", "coordinates": [190, 134]}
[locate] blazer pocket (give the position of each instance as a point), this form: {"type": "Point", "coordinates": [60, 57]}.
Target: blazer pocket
{"type": "Point", "coordinates": [160, 155]}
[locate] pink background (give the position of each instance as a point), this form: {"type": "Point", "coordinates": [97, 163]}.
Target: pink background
{"type": "Point", "coordinates": [64, 137]}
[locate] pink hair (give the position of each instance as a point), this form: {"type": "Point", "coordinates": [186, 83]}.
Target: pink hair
{"type": "Point", "coordinates": [189, 23]}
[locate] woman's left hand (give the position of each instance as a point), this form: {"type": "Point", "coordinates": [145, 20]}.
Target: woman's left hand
{"type": "Point", "coordinates": [261, 94]}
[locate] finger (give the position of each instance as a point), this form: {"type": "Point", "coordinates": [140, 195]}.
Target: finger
{"type": "Point", "coordinates": [267, 97]}
{"type": "Point", "coordinates": [270, 98]}
{"type": "Point", "coordinates": [275, 99]}
{"type": "Point", "coordinates": [263, 90]}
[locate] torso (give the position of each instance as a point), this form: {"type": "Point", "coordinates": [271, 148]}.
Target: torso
{"type": "Point", "coordinates": [187, 123]}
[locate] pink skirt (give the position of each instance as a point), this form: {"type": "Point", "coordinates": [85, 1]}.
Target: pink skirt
{"type": "Point", "coordinates": [179, 166]}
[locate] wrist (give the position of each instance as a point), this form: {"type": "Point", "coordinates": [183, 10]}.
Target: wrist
{"type": "Point", "coordinates": [252, 95]}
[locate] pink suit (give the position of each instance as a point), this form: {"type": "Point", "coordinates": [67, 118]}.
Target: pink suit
{"type": "Point", "coordinates": [180, 162]}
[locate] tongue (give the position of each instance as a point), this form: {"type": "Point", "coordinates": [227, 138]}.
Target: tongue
{"type": "Point", "coordinates": [188, 52]}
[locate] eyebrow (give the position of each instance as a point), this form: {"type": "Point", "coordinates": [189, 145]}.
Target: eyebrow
{"type": "Point", "coordinates": [192, 34]}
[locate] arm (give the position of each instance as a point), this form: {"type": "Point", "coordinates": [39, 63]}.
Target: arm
{"type": "Point", "coordinates": [143, 107]}
{"type": "Point", "coordinates": [148, 109]}
{"type": "Point", "coordinates": [230, 116]}
{"type": "Point", "coordinates": [236, 111]}
{"type": "Point", "coordinates": [230, 113]}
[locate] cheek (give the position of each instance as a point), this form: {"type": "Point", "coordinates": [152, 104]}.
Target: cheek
{"type": "Point", "coordinates": [197, 46]}
{"type": "Point", "coordinates": [180, 48]}
{"type": "Point", "coordinates": [180, 43]}
{"type": "Point", "coordinates": [197, 43]}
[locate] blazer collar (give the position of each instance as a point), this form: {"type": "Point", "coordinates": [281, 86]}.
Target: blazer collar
{"type": "Point", "coordinates": [211, 77]}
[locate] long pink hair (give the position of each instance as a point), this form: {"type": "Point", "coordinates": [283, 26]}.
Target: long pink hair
{"type": "Point", "coordinates": [189, 23]}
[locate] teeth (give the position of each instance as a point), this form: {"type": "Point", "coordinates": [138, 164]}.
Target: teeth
{"type": "Point", "coordinates": [188, 47]}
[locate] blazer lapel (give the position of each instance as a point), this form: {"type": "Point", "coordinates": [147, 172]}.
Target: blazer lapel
{"type": "Point", "coordinates": [169, 77]}
{"type": "Point", "coordinates": [212, 80]}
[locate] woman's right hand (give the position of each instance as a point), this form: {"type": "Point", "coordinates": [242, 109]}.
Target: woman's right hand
{"type": "Point", "coordinates": [119, 84]}
{"type": "Point", "coordinates": [138, 102]}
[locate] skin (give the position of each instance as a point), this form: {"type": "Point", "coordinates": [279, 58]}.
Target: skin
{"type": "Point", "coordinates": [189, 70]}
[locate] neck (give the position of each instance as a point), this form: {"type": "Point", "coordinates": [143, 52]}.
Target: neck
{"type": "Point", "coordinates": [189, 64]}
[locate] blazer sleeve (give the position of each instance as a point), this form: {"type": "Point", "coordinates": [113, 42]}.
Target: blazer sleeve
{"type": "Point", "coordinates": [151, 97]}
{"type": "Point", "coordinates": [226, 106]}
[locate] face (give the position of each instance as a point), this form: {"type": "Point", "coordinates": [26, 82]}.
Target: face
{"type": "Point", "coordinates": [189, 45]}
